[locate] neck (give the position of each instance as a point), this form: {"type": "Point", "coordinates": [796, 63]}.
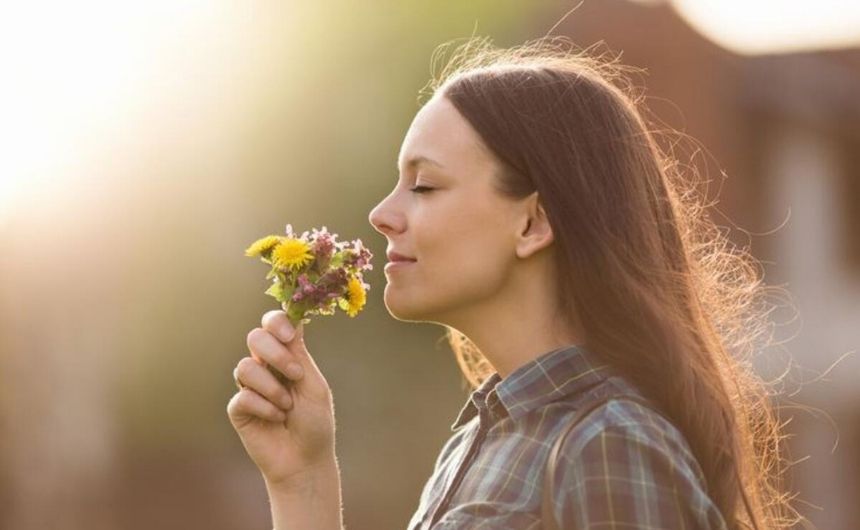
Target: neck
{"type": "Point", "coordinates": [518, 325]}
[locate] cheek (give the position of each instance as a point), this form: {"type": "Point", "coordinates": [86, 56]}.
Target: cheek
{"type": "Point", "coordinates": [458, 271]}
{"type": "Point", "coordinates": [470, 263]}
{"type": "Point", "coordinates": [461, 245]}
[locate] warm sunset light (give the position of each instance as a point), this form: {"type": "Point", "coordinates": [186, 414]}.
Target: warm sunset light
{"type": "Point", "coordinates": [79, 77]}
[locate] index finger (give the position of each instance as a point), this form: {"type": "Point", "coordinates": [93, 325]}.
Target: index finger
{"type": "Point", "coordinates": [277, 323]}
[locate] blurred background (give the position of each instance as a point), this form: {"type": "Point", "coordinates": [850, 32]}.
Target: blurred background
{"type": "Point", "coordinates": [145, 145]}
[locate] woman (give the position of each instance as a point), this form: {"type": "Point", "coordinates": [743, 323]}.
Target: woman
{"type": "Point", "coordinates": [537, 220]}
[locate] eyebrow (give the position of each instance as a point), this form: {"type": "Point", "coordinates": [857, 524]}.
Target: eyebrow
{"type": "Point", "coordinates": [416, 161]}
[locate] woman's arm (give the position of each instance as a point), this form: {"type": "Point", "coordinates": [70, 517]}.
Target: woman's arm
{"type": "Point", "coordinates": [310, 502]}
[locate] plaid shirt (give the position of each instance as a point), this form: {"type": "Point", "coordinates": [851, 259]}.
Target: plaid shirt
{"type": "Point", "coordinates": [624, 467]}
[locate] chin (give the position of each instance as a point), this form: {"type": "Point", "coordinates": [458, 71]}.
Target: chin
{"type": "Point", "coordinates": [400, 305]}
{"type": "Point", "coordinates": [407, 307]}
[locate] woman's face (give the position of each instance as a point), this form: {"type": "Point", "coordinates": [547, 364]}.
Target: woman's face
{"type": "Point", "coordinates": [460, 231]}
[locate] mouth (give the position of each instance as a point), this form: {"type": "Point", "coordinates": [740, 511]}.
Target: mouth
{"type": "Point", "coordinates": [398, 264]}
{"type": "Point", "coordinates": [396, 257]}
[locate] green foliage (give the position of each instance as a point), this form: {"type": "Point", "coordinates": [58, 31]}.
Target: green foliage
{"type": "Point", "coordinates": [277, 291]}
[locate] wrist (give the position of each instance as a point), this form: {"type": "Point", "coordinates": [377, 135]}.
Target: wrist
{"type": "Point", "coordinates": [307, 501]}
{"type": "Point", "coordinates": [306, 481]}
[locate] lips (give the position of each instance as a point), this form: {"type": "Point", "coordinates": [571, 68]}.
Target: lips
{"type": "Point", "coordinates": [393, 266]}
{"type": "Point", "coordinates": [396, 257]}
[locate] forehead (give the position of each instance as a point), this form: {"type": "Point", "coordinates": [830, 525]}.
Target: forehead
{"type": "Point", "coordinates": [440, 136]}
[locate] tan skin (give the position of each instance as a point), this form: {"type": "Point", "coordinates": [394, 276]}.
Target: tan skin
{"type": "Point", "coordinates": [285, 432]}
{"type": "Point", "coordinates": [483, 266]}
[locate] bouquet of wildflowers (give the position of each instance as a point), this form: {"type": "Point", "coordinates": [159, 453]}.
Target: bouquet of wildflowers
{"type": "Point", "coordinates": [313, 274]}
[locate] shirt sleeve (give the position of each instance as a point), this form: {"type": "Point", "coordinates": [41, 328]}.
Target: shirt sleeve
{"type": "Point", "coordinates": [434, 484]}
{"type": "Point", "coordinates": [630, 477]}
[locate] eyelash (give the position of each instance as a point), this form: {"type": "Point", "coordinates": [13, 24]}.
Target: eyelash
{"type": "Point", "coordinates": [423, 189]}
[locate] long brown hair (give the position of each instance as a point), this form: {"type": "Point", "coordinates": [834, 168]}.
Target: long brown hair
{"type": "Point", "coordinates": [653, 285]}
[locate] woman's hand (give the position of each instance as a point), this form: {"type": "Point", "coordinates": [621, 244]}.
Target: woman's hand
{"type": "Point", "coordinates": [287, 431]}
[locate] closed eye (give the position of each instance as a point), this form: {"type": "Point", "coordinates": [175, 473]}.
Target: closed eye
{"type": "Point", "coordinates": [420, 189]}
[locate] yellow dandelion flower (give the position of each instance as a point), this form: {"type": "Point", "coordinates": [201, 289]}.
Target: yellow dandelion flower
{"type": "Point", "coordinates": [356, 297]}
{"type": "Point", "coordinates": [262, 245]}
{"type": "Point", "coordinates": [292, 253]}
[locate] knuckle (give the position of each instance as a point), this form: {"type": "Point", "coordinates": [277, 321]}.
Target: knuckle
{"type": "Point", "coordinates": [279, 326]}
{"type": "Point", "coordinates": [279, 358]}
{"type": "Point", "coordinates": [253, 337]}
{"type": "Point", "coordinates": [271, 317]}
{"type": "Point", "coordinates": [246, 399]}
{"type": "Point", "coordinates": [236, 406]}
{"type": "Point", "coordinates": [243, 369]}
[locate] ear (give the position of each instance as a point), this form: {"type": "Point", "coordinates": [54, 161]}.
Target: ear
{"type": "Point", "coordinates": [535, 232]}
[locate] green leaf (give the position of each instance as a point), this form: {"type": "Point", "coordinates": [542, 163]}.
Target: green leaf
{"type": "Point", "coordinates": [276, 290]}
{"type": "Point", "coordinates": [337, 259]}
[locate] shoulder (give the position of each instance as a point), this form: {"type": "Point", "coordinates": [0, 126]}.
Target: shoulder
{"type": "Point", "coordinates": [625, 423]}
{"type": "Point", "coordinates": [626, 463]}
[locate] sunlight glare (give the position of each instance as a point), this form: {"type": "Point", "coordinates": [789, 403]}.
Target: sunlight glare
{"type": "Point", "coordinates": [774, 26]}
{"type": "Point", "coordinates": [75, 68]}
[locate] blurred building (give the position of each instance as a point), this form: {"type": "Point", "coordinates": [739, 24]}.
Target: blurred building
{"type": "Point", "coordinates": [785, 130]}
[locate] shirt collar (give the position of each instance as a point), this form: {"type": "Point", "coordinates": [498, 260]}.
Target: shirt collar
{"type": "Point", "coordinates": [567, 370]}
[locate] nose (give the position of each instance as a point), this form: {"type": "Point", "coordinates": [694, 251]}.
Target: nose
{"type": "Point", "coordinates": [373, 217]}
{"type": "Point", "coordinates": [383, 218]}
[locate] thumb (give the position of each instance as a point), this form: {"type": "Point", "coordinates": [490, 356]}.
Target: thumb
{"type": "Point", "coordinates": [297, 347]}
